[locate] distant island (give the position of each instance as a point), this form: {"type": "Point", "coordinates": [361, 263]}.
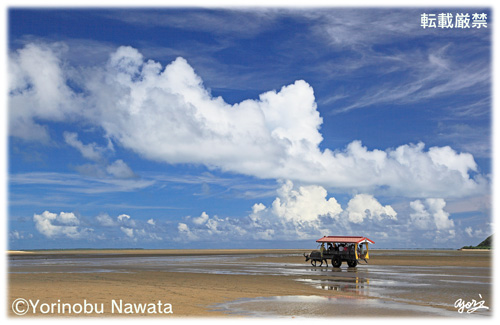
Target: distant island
{"type": "Point", "coordinates": [485, 244]}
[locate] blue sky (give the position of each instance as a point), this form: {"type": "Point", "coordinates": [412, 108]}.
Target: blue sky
{"type": "Point", "coordinates": [261, 127]}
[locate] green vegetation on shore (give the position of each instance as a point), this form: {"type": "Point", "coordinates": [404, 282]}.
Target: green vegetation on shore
{"type": "Point", "coordinates": [485, 244]}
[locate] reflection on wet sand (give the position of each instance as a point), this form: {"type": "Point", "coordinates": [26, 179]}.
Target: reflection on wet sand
{"type": "Point", "coordinates": [357, 285]}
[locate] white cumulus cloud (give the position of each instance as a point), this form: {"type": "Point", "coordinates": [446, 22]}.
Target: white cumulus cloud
{"type": "Point", "coordinates": [64, 224]}
{"type": "Point", "coordinates": [364, 206]}
{"type": "Point", "coordinates": [306, 203]}
{"type": "Point", "coordinates": [203, 218]}
{"type": "Point", "coordinates": [123, 217]}
{"type": "Point", "coordinates": [105, 220]}
{"type": "Point", "coordinates": [128, 231]}
{"type": "Point", "coordinates": [185, 232]}
{"type": "Point", "coordinates": [38, 89]}
{"type": "Point", "coordinates": [430, 214]}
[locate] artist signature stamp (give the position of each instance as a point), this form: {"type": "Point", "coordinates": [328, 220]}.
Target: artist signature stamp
{"type": "Point", "coordinates": [470, 306]}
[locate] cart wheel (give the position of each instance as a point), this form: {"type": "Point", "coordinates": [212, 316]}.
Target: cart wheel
{"type": "Point", "coordinates": [336, 262]}
{"type": "Point", "coordinates": [352, 263]}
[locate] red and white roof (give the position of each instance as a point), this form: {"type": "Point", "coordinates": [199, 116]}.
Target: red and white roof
{"type": "Point", "coordinates": [345, 239]}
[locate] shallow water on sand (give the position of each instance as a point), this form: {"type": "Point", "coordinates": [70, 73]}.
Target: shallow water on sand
{"type": "Point", "coordinates": [327, 306]}
{"type": "Point", "coordinates": [366, 289]}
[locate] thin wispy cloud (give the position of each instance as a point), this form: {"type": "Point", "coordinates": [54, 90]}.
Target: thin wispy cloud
{"type": "Point", "coordinates": [427, 76]}
{"type": "Point", "coordinates": [474, 110]}
{"type": "Point", "coordinates": [222, 22]}
{"type": "Point", "coordinates": [78, 183]}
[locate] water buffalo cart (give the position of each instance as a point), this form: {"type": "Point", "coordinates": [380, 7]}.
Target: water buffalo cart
{"type": "Point", "coordinates": [338, 249]}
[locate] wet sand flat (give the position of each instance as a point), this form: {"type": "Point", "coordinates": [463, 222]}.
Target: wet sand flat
{"type": "Point", "coordinates": [269, 283]}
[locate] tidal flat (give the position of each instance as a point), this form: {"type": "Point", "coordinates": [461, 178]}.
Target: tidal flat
{"type": "Point", "coordinates": [249, 283]}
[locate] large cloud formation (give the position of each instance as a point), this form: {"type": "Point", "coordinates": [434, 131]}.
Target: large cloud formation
{"type": "Point", "coordinates": [168, 115]}
{"type": "Point", "coordinates": [302, 212]}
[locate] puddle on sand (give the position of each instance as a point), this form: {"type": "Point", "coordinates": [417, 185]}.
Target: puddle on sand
{"type": "Point", "coordinates": [319, 306]}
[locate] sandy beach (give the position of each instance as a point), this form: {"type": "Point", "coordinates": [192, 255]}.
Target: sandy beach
{"type": "Point", "coordinates": [236, 283]}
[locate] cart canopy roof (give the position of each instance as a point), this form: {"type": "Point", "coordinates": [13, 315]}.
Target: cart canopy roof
{"type": "Point", "coordinates": [345, 239]}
